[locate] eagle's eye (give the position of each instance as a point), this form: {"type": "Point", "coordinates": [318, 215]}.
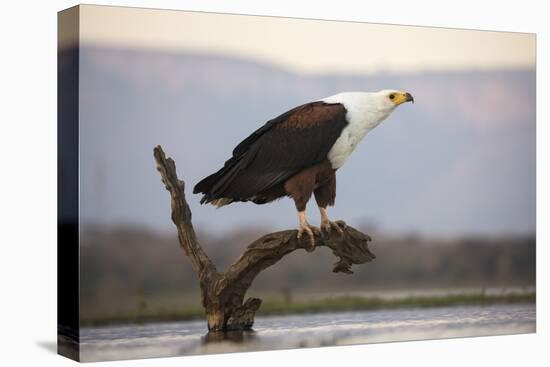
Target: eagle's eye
{"type": "Point", "coordinates": [392, 96]}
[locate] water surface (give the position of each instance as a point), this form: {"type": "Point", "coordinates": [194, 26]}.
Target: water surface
{"type": "Point", "coordinates": [311, 330]}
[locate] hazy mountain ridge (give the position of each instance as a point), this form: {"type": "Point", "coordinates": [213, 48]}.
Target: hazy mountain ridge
{"type": "Point", "coordinates": [463, 156]}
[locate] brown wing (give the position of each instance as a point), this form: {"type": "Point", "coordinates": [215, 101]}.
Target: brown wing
{"type": "Point", "coordinates": [291, 142]}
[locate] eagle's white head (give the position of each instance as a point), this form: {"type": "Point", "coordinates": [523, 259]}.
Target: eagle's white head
{"type": "Point", "coordinates": [379, 105]}
{"type": "Point", "coordinates": [391, 98]}
{"type": "Point", "coordinates": [368, 109]}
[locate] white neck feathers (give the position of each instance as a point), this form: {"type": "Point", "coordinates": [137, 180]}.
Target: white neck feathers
{"type": "Point", "coordinates": [365, 111]}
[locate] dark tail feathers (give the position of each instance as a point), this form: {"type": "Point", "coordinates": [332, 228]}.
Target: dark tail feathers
{"type": "Point", "coordinates": [214, 185]}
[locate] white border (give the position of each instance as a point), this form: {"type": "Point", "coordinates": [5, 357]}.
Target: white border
{"type": "Point", "coordinates": [28, 185]}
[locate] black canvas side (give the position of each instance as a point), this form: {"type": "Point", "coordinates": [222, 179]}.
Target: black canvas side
{"type": "Point", "coordinates": [67, 184]}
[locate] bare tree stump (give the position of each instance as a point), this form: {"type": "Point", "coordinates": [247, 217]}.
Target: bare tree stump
{"type": "Point", "coordinates": [222, 294]}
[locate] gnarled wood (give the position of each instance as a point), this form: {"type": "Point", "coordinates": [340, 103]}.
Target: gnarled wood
{"type": "Point", "coordinates": [222, 294]}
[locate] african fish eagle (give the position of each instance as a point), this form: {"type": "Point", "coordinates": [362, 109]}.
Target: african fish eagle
{"type": "Point", "coordinates": [298, 153]}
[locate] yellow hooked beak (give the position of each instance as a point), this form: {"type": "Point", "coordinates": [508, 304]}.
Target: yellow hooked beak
{"type": "Point", "coordinates": [402, 97]}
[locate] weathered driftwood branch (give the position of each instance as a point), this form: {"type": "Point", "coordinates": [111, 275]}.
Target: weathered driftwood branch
{"type": "Point", "coordinates": [222, 294]}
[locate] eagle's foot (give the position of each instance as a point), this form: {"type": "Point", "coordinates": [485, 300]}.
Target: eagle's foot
{"type": "Point", "coordinates": [310, 231]}
{"type": "Point", "coordinates": [327, 226]}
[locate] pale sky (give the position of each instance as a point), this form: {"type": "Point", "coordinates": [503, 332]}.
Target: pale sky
{"type": "Point", "coordinates": [307, 46]}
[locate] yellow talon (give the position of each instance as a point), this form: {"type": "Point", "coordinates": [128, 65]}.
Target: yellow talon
{"type": "Point", "coordinates": [327, 225]}
{"type": "Point", "coordinates": [310, 233]}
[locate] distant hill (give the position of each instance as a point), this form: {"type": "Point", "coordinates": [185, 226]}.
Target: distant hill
{"type": "Point", "coordinates": [460, 160]}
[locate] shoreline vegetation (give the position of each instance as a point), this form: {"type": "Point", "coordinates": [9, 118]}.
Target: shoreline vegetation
{"type": "Point", "coordinates": [271, 307]}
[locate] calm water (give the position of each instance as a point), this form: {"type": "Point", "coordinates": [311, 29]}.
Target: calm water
{"type": "Point", "coordinates": [280, 332]}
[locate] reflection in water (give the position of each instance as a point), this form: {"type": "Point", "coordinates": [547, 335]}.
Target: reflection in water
{"type": "Point", "coordinates": [312, 330]}
{"type": "Point", "coordinates": [231, 336]}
